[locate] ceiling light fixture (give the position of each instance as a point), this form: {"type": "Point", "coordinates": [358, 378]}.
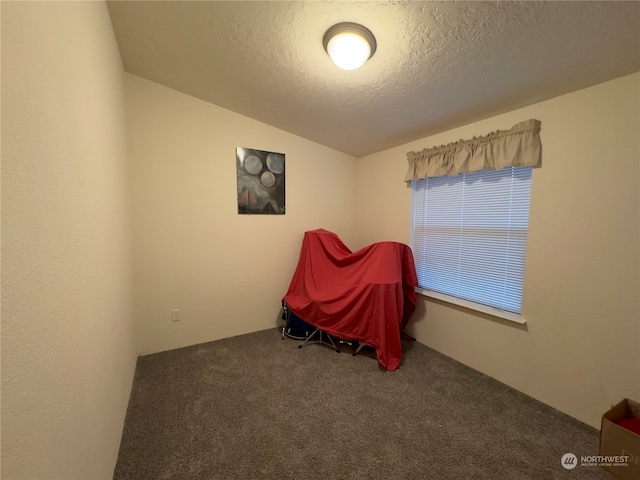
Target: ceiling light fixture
{"type": "Point", "coordinates": [349, 45]}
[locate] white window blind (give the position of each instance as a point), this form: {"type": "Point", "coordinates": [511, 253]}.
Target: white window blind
{"type": "Point", "coordinates": [469, 235]}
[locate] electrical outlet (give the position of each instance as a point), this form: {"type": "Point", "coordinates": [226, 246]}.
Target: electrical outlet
{"type": "Point", "coordinates": [175, 315]}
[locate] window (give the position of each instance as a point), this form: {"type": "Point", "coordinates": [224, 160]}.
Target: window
{"type": "Point", "coordinates": [469, 237]}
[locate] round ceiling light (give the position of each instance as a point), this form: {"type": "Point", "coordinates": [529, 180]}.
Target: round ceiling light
{"type": "Point", "coordinates": [349, 45]}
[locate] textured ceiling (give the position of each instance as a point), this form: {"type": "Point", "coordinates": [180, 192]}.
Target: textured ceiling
{"type": "Point", "coordinates": [438, 65]}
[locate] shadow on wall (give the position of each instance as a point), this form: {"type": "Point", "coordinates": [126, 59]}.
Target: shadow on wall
{"type": "Point", "coordinates": [419, 316]}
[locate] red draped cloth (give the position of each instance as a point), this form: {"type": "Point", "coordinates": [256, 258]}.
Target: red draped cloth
{"type": "Point", "coordinates": [367, 295]}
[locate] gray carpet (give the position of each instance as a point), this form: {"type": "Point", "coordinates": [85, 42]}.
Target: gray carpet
{"type": "Point", "coordinates": [257, 407]}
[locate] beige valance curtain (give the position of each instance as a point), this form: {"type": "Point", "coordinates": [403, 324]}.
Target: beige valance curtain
{"type": "Point", "coordinates": [518, 147]}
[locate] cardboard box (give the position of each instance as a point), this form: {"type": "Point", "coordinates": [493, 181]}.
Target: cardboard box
{"type": "Point", "coordinates": [617, 442]}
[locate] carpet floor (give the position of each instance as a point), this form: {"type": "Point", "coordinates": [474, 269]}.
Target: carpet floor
{"type": "Point", "coordinates": [257, 407]}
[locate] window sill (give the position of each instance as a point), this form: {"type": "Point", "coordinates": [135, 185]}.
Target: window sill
{"type": "Point", "coordinates": [512, 317]}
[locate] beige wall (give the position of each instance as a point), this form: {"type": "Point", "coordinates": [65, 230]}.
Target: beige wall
{"type": "Point", "coordinates": [580, 350]}
{"type": "Point", "coordinates": [226, 272]}
{"type": "Point", "coordinates": [67, 340]}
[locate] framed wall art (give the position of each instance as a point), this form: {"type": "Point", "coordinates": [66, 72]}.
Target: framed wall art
{"type": "Point", "coordinates": [261, 176]}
